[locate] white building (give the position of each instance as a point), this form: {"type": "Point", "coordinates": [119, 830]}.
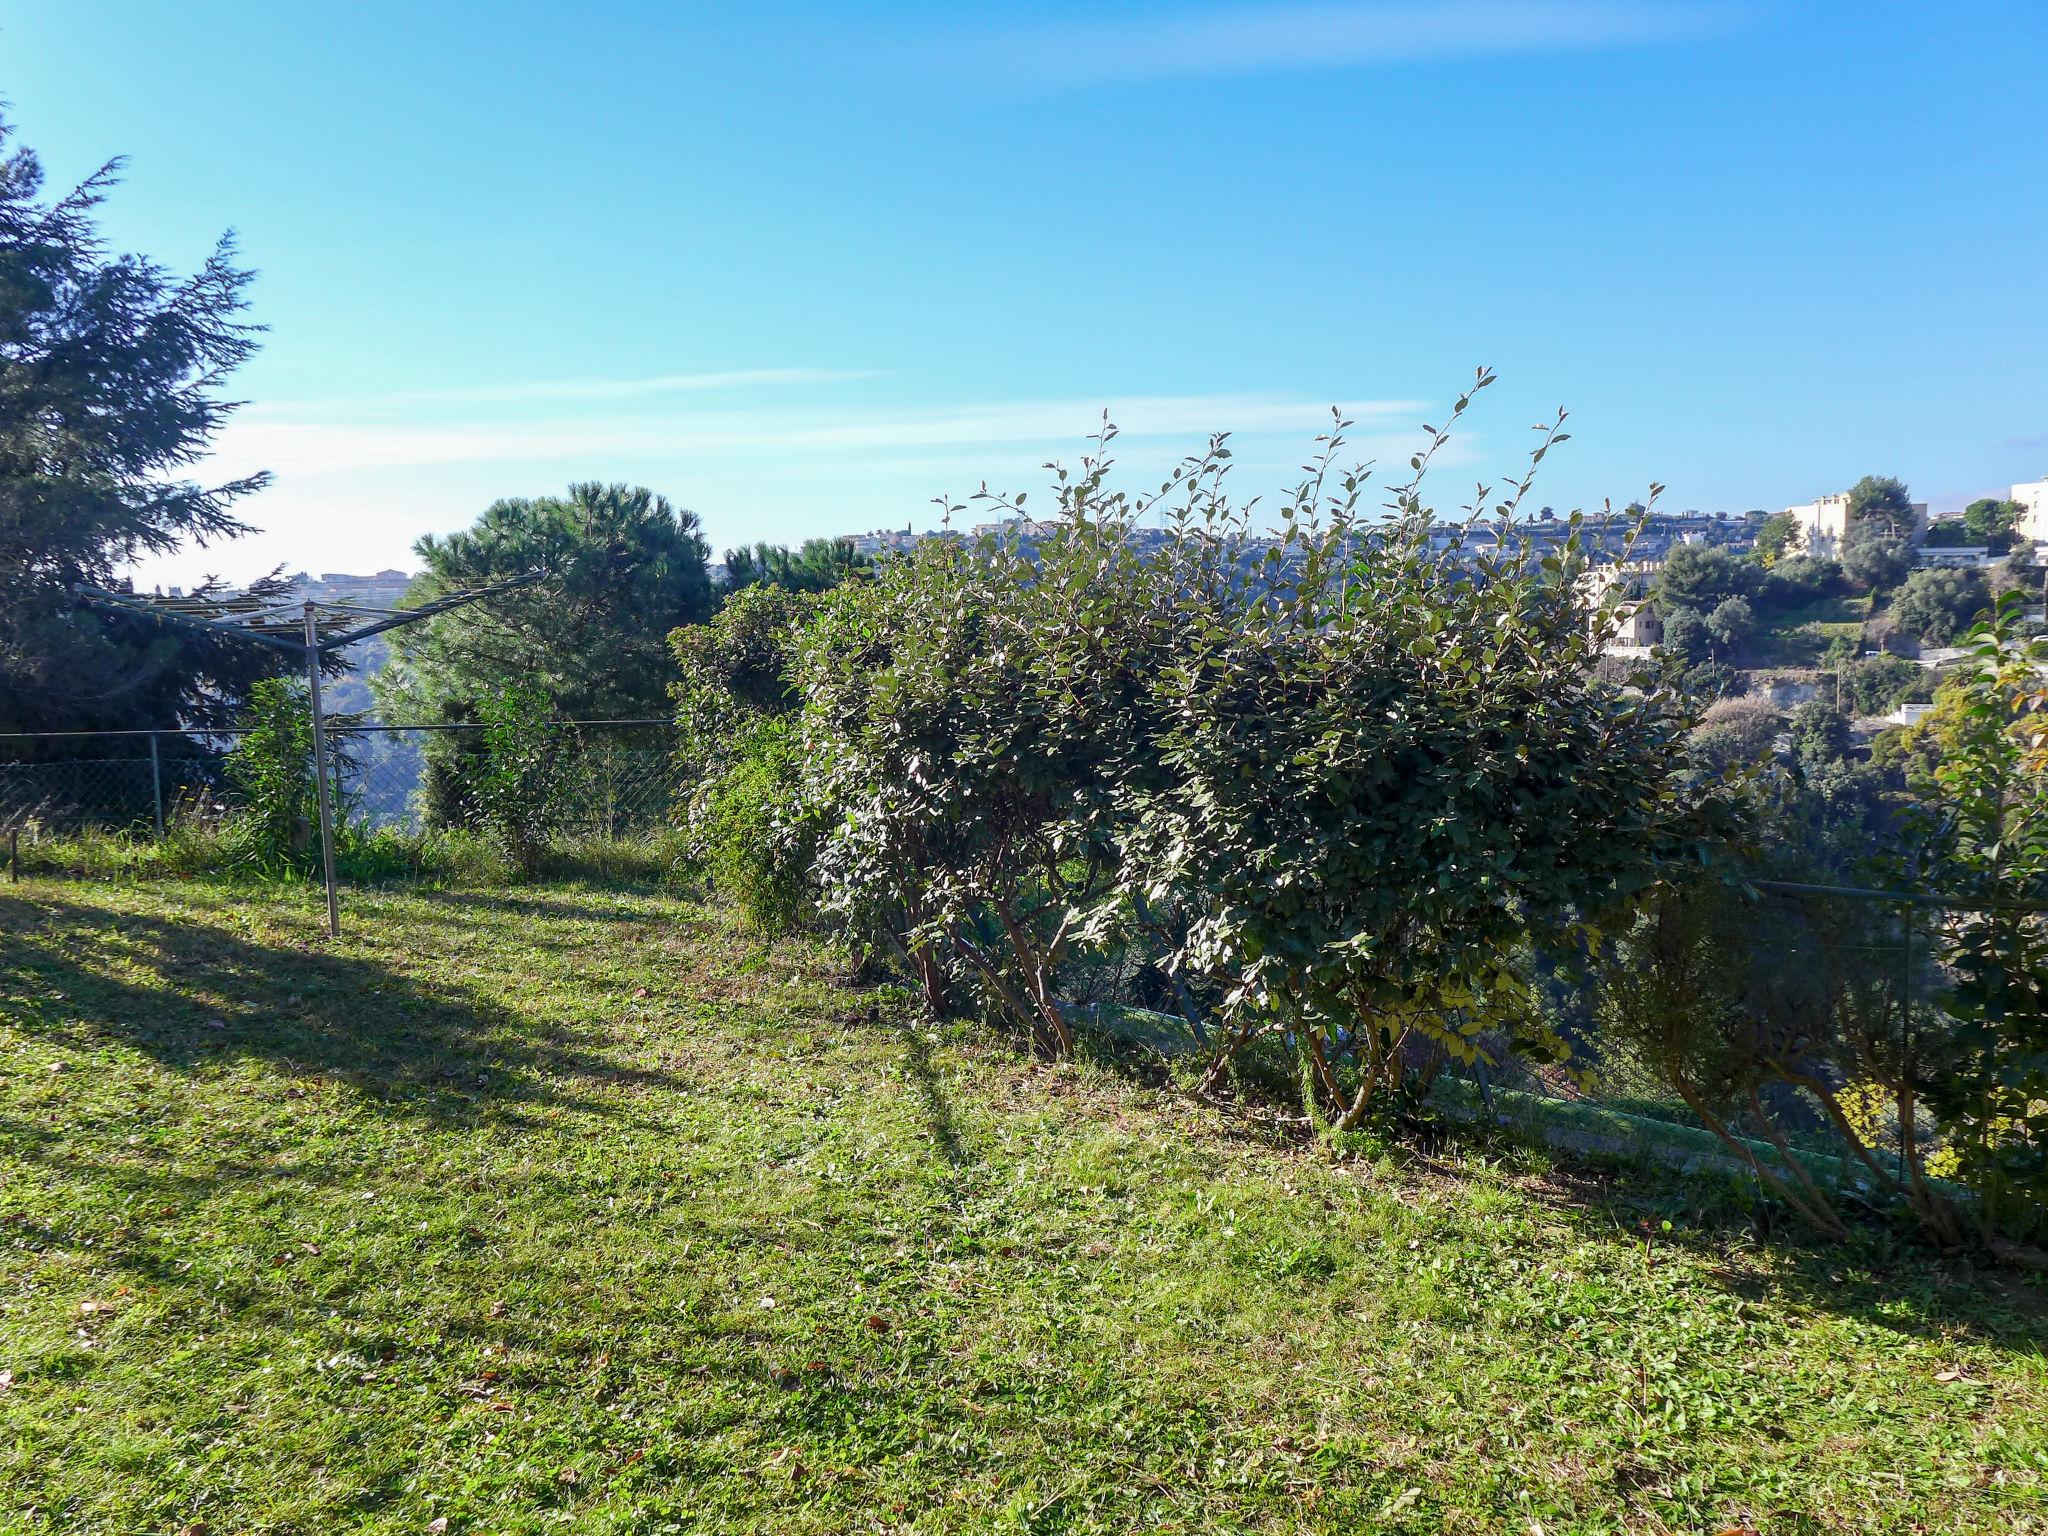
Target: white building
{"type": "Point", "coordinates": [1961, 556]}
{"type": "Point", "coordinates": [1636, 623]}
{"type": "Point", "coordinates": [1016, 527]}
{"type": "Point", "coordinates": [1823, 523]}
{"type": "Point", "coordinates": [2033, 500]}
{"type": "Point", "coordinates": [883, 541]}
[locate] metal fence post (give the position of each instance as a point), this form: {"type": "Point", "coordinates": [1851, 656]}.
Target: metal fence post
{"type": "Point", "coordinates": [156, 785]}
{"type": "Point", "coordinates": [320, 771]}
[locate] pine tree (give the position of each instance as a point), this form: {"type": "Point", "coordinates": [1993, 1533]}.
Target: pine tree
{"type": "Point", "coordinates": [110, 375]}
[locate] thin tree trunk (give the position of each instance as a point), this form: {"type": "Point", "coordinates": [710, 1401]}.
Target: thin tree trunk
{"type": "Point", "coordinates": [1798, 1168]}
{"type": "Point", "coordinates": [1824, 1220]}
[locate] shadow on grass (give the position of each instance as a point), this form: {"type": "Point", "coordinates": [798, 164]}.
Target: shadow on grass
{"type": "Point", "coordinates": [581, 903]}
{"type": "Point", "coordinates": [1884, 1274]}
{"type": "Point", "coordinates": [188, 994]}
{"type": "Point", "coordinates": [931, 1095]}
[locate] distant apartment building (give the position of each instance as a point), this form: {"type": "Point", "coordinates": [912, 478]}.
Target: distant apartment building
{"type": "Point", "coordinates": [1016, 527]}
{"type": "Point", "coordinates": [1824, 523]}
{"type": "Point", "coordinates": [383, 589]}
{"type": "Point", "coordinates": [884, 541]}
{"type": "Point", "coordinates": [2033, 501]}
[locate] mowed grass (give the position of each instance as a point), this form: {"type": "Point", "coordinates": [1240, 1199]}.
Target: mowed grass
{"type": "Point", "coordinates": [571, 1209]}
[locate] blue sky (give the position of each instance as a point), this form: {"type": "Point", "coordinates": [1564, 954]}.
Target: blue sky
{"type": "Point", "coordinates": [803, 268]}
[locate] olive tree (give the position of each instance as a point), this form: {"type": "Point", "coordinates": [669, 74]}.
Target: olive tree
{"type": "Point", "coordinates": [1990, 838]}
{"type": "Point", "coordinates": [1916, 1029]}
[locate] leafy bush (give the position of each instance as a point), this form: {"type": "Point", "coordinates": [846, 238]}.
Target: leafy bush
{"type": "Point", "coordinates": [275, 825]}
{"type": "Point", "coordinates": [1877, 685]}
{"type": "Point", "coordinates": [734, 673]}
{"type": "Point", "coordinates": [1950, 533]}
{"type": "Point", "coordinates": [1686, 638]}
{"type": "Point", "coordinates": [1333, 785]}
{"type": "Point", "coordinates": [1731, 624]}
{"type": "Point", "coordinates": [1935, 604]}
{"type": "Point", "coordinates": [735, 702]}
{"type": "Point", "coordinates": [1774, 536]}
{"type": "Point", "coordinates": [1701, 576]}
{"type": "Point", "coordinates": [971, 724]}
{"type": "Point", "coordinates": [1991, 839]}
{"type": "Point", "coordinates": [1798, 581]}
{"type": "Point", "coordinates": [1993, 522]}
{"type": "Point", "coordinates": [1772, 1022]}
{"type": "Point", "coordinates": [1735, 733]}
{"type": "Point", "coordinates": [1875, 559]}
{"type": "Point", "coordinates": [1921, 1043]}
{"type": "Point", "coordinates": [747, 833]}
{"type": "Point", "coordinates": [512, 776]}
{"type": "Point", "coordinates": [1819, 733]}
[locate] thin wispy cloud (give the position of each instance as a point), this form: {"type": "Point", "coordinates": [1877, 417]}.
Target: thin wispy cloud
{"type": "Point", "coordinates": [577, 391]}
{"type": "Point", "coordinates": [359, 480]}
{"type": "Point", "coordinates": [1336, 34]}
{"type": "Point", "coordinates": [318, 442]}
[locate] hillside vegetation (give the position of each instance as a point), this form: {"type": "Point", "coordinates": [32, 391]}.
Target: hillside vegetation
{"type": "Point", "coordinates": [572, 1208]}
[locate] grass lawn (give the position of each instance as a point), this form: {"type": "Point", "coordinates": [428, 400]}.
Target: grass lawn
{"type": "Point", "coordinates": [1800, 637]}
{"type": "Point", "coordinates": [572, 1209]}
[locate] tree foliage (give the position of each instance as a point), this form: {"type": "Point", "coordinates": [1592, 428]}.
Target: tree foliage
{"type": "Point", "coordinates": [1777, 535]}
{"type": "Point", "coordinates": [1882, 503]}
{"type": "Point", "coordinates": [1874, 558]}
{"type": "Point", "coordinates": [1991, 783]}
{"type": "Point", "coordinates": [817, 565]}
{"type": "Point", "coordinates": [1701, 576]}
{"type": "Point", "coordinates": [1915, 1031]}
{"type": "Point", "coordinates": [511, 776]}
{"type": "Point", "coordinates": [111, 370]}
{"type": "Point", "coordinates": [1731, 624]}
{"type": "Point", "coordinates": [1992, 522]}
{"type": "Point", "coordinates": [1733, 733]}
{"type": "Point", "coordinates": [1937, 603]}
{"type": "Point", "coordinates": [1798, 580]}
{"type": "Point", "coordinates": [735, 698]}
{"type": "Point", "coordinates": [1877, 685]}
{"type": "Point", "coordinates": [1686, 637]}
{"type": "Point", "coordinates": [271, 769]}
{"type": "Point", "coordinates": [624, 568]}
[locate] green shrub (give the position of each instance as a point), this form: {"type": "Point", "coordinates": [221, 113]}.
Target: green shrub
{"type": "Point", "coordinates": [514, 772]}
{"type": "Point", "coordinates": [747, 828]}
{"type": "Point", "coordinates": [1990, 838]}
{"type": "Point", "coordinates": [1771, 1019]}
{"type": "Point", "coordinates": [1330, 787]}
{"type": "Point", "coordinates": [273, 827]}
{"type": "Point", "coordinates": [747, 834]}
{"type": "Point", "coordinates": [1920, 1039]}
{"type": "Point", "coordinates": [1877, 685]}
{"type": "Point", "coordinates": [1934, 605]}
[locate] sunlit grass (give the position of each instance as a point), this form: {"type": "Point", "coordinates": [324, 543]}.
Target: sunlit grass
{"type": "Point", "coordinates": [573, 1208]}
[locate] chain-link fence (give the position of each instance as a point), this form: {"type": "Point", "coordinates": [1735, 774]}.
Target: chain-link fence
{"type": "Point", "coordinates": [603, 777]}
{"type": "Point", "coordinates": [1794, 1034]}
